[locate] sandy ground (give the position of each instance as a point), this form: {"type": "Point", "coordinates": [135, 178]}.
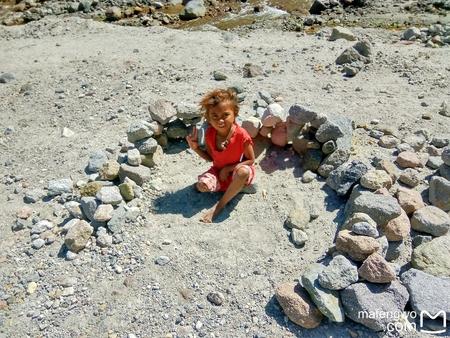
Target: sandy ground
{"type": "Point", "coordinates": [247, 252]}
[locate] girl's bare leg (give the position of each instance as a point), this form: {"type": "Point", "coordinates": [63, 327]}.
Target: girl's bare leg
{"type": "Point", "coordinates": [236, 185]}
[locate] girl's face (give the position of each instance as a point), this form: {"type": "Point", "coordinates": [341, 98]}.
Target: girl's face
{"type": "Point", "coordinates": [221, 117]}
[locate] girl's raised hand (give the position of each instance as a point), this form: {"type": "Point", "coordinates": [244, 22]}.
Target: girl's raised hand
{"type": "Point", "coordinates": [192, 139]}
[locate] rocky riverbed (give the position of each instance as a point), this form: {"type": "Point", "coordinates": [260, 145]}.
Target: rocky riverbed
{"type": "Point", "coordinates": [100, 231]}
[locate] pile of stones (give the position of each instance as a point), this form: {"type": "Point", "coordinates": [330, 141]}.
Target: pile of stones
{"type": "Point", "coordinates": [436, 35]}
{"type": "Point", "coordinates": [97, 208]}
{"type": "Point", "coordinates": [376, 267]}
{"type": "Point", "coordinates": [146, 13]}
{"type": "Point", "coordinates": [323, 6]}
{"type": "Point", "coordinates": [323, 140]}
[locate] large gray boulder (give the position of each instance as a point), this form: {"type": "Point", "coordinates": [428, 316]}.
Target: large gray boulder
{"type": "Point", "coordinates": [381, 208]}
{"type": "Point", "coordinates": [427, 292]}
{"type": "Point", "coordinates": [362, 300]}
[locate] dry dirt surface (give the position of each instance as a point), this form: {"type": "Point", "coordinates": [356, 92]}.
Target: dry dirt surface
{"type": "Point", "coordinates": [95, 79]}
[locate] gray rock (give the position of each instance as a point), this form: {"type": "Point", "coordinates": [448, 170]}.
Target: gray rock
{"type": "Point", "coordinates": [216, 298]}
{"type": "Point", "coordinates": [139, 130]}
{"type": "Point", "coordinates": [335, 127]}
{"type": "Point", "coordinates": [251, 70]}
{"type": "Point", "coordinates": [409, 177]}
{"type": "Point", "coordinates": [431, 220]}
{"type": "Point", "coordinates": [434, 162]}
{"type": "Point", "coordinates": [89, 206]}
{"type": "Point", "coordinates": [427, 292]}
{"type": "Point", "coordinates": [342, 33]}
{"type": "Point", "coordinates": [139, 175]}
{"type": "Point", "coordinates": [411, 33]}
{"type": "Point", "coordinates": [193, 9]}
{"type": "Point", "coordinates": [446, 155]}
{"type": "Point", "coordinates": [162, 111]}
{"type": "Point", "coordinates": [301, 115]}
{"type": "Point", "coordinates": [134, 157]}
{"type": "Point", "coordinates": [33, 196]}
{"type": "Point", "coordinates": [20, 224]}
{"type": "Point", "coordinates": [266, 96]}
{"type": "Point", "coordinates": [329, 147]}
{"type": "Point", "coordinates": [74, 209]}
{"type": "Point", "coordinates": [58, 187]}
{"type": "Point", "coordinates": [96, 161]}
{"type": "Point", "coordinates": [188, 111]}
{"type": "Point", "coordinates": [219, 75]}
{"type": "Point", "coordinates": [109, 195]}
{"type": "Point", "coordinates": [365, 229]}
{"type": "Point", "coordinates": [113, 13]}
{"type": "Point", "coordinates": [339, 274]}
{"type": "Point", "coordinates": [349, 56]}
{"type": "Point", "coordinates": [332, 161]}
{"type": "Point", "coordinates": [364, 48]}
{"type": "Point", "coordinates": [344, 177]}
{"type": "Point", "coordinates": [162, 260]}
{"type": "Point", "coordinates": [78, 236]}
{"type": "Point", "coordinates": [103, 213]}
{"type": "Point", "coordinates": [420, 239]}
{"type": "Point", "coordinates": [326, 300]}
{"type": "Point", "coordinates": [433, 257]}
{"type": "Point", "coordinates": [121, 216]}
{"type": "Point", "coordinates": [104, 239]}
{"type": "Point", "coordinates": [41, 227]}
{"type": "Point", "coordinates": [440, 192]}
{"type": "Point", "coordinates": [440, 141]}
{"type": "Point", "coordinates": [7, 77]}
{"type": "Point", "coordinates": [444, 110]}
{"type": "Point", "coordinates": [147, 146]}
{"type": "Point", "coordinates": [37, 243]}
{"type": "Point", "coordinates": [299, 237]}
{"type": "Point", "coordinates": [395, 250]}
{"type": "Point", "coordinates": [444, 171]}
{"type": "Point", "coordinates": [362, 299]}
{"type": "Point", "coordinates": [384, 246]}
{"type": "Point", "coordinates": [379, 207]}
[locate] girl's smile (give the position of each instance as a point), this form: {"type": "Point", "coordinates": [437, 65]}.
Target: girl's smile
{"type": "Point", "coordinates": [221, 117]}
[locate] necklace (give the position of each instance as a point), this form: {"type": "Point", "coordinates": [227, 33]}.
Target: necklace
{"type": "Point", "coordinates": [223, 145]}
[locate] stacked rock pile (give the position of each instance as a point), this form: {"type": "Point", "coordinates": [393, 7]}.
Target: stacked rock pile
{"type": "Point", "coordinates": [323, 140]}
{"type": "Point", "coordinates": [146, 13]}
{"type": "Point", "coordinates": [362, 279]}
{"type": "Point", "coordinates": [436, 35]}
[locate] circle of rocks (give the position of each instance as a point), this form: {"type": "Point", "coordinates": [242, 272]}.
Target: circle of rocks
{"type": "Point", "coordinates": [359, 277]}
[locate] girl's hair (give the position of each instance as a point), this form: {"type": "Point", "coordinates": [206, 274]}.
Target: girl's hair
{"type": "Point", "coordinates": [216, 97]}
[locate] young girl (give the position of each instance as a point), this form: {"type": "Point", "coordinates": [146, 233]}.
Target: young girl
{"type": "Point", "coordinates": [228, 146]}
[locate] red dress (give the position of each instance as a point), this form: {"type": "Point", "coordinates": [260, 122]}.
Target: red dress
{"type": "Point", "coordinates": [232, 154]}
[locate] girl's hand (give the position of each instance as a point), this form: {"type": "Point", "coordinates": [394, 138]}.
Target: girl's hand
{"type": "Point", "coordinates": [192, 140]}
{"type": "Point", "coordinates": [224, 173]}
